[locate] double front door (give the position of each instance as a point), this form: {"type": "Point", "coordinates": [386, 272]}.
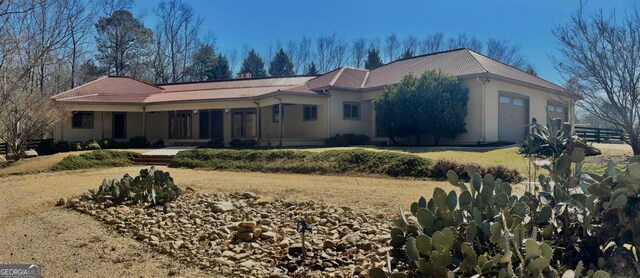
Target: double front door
{"type": "Point", "coordinates": [211, 124]}
{"type": "Point", "coordinates": [244, 122]}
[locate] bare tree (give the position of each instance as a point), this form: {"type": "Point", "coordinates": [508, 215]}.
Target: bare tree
{"type": "Point", "coordinates": [391, 47]}
{"type": "Point", "coordinates": [433, 43]}
{"type": "Point", "coordinates": [505, 52]}
{"type": "Point", "coordinates": [409, 46]}
{"type": "Point", "coordinates": [177, 36]}
{"type": "Point", "coordinates": [358, 51]}
{"type": "Point", "coordinates": [232, 56]}
{"type": "Point", "coordinates": [31, 31]}
{"type": "Point", "coordinates": [462, 40]}
{"type": "Point", "coordinates": [80, 22]}
{"type": "Point", "coordinates": [331, 52]}
{"type": "Point", "coordinates": [600, 58]}
{"type": "Point", "coordinates": [110, 6]}
{"type": "Point", "coordinates": [305, 54]}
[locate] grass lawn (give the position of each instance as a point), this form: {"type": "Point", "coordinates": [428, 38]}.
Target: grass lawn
{"type": "Point", "coordinates": [43, 163]}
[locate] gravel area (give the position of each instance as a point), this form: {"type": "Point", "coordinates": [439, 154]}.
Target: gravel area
{"type": "Point", "coordinates": [72, 244]}
{"type": "Point", "coordinates": [245, 234]}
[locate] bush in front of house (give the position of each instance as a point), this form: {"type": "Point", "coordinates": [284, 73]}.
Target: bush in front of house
{"type": "Point", "coordinates": [109, 143]}
{"type": "Point", "coordinates": [214, 144]}
{"type": "Point", "coordinates": [92, 145]}
{"type": "Point", "coordinates": [96, 159]}
{"type": "Point", "coordinates": [159, 144]}
{"type": "Point", "coordinates": [239, 143]}
{"type": "Point", "coordinates": [76, 146]}
{"type": "Point", "coordinates": [139, 142]}
{"type": "Point", "coordinates": [346, 140]}
{"type": "Point", "coordinates": [46, 147]}
{"type": "Point", "coordinates": [356, 161]}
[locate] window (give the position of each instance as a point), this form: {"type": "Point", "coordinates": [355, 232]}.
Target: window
{"type": "Point", "coordinates": [351, 111]}
{"type": "Point", "coordinates": [275, 113]}
{"type": "Point", "coordinates": [504, 99]}
{"type": "Point", "coordinates": [518, 102]}
{"type": "Point", "coordinates": [82, 120]}
{"type": "Point", "coordinates": [310, 112]}
{"type": "Point", "coordinates": [551, 108]}
{"type": "Point", "coordinates": [559, 109]}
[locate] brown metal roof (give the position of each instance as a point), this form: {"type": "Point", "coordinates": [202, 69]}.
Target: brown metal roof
{"type": "Point", "coordinates": [229, 93]}
{"type": "Point", "coordinates": [457, 62]}
{"type": "Point", "coordinates": [238, 83]}
{"type": "Point", "coordinates": [125, 90]}
{"type": "Point", "coordinates": [110, 89]}
{"type": "Point", "coordinates": [344, 77]}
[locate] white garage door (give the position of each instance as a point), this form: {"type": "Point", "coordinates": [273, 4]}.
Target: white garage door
{"type": "Point", "coordinates": [513, 118]}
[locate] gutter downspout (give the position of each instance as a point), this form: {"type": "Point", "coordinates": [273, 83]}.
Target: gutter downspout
{"type": "Point", "coordinates": [484, 104]}
{"type": "Point", "coordinates": [280, 115]}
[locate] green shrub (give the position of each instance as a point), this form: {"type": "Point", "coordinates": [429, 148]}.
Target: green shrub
{"type": "Point", "coordinates": [109, 143]}
{"type": "Point", "coordinates": [235, 143]}
{"type": "Point", "coordinates": [92, 145]}
{"type": "Point", "coordinates": [139, 142]}
{"type": "Point", "coordinates": [96, 159]}
{"type": "Point", "coordinates": [62, 146]}
{"type": "Point", "coordinates": [356, 161]}
{"type": "Point", "coordinates": [151, 186]}
{"type": "Point", "coordinates": [159, 144]}
{"type": "Point", "coordinates": [249, 143]}
{"type": "Point", "coordinates": [214, 144]}
{"type": "Point", "coordinates": [46, 147]}
{"type": "Point", "coordinates": [76, 146]}
{"type": "Point", "coordinates": [346, 140]}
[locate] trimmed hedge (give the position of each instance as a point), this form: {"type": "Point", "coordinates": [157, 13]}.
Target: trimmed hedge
{"type": "Point", "coordinates": [346, 140]}
{"type": "Point", "coordinates": [357, 161]}
{"type": "Point", "coordinates": [96, 159]}
{"type": "Point", "coordinates": [304, 162]}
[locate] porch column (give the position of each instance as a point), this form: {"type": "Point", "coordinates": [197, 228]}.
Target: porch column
{"type": "Point", "coordinates": [281, 121]}
{"type": "Point", "coordinates": [257, 122]}
{"type": "Point", "coordinates": [102, 124]}
{"type": "Point", "coordinates": [144, 122]}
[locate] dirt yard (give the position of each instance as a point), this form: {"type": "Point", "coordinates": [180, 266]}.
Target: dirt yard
{"type": "Point", "coordinates": [70, 244]}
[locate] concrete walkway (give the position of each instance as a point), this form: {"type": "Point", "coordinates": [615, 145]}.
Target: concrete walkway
{"type": "Point", "coordinates": [168, 151]}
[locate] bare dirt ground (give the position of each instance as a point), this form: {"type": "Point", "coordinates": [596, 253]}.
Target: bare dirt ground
{"type": "Point", "coordinates": [69, 244]}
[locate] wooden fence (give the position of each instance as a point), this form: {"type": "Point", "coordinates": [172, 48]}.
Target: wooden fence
{"type": "Point", "coordinates": [594, 134]}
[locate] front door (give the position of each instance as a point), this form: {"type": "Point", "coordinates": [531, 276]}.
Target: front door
{"type": "Point", "coordinates": [244, 123]}
{"type": "Point", "coordinates": [180, 124]}
{"type": "Point", "coordinates": [211, 122]}
{"type": "Point", "coordinates": [120, 125]}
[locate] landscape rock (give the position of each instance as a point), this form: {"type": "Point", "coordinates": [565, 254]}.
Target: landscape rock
{"type": "Point", "coordinates": [245, 235]}
{"type": "Point", "coordinates": [30, 153]}
{"type": "Point", "coordinates": [61, 202]}
{"type": "Point", "coordinates": [219, 207]}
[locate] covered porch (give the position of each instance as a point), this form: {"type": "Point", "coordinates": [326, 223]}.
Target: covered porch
{"type": "Point", "coordinates": [276, 120]}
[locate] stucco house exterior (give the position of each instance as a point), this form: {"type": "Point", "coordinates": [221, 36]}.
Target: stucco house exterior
{"type": "Point", "coordinates": [305, 110]}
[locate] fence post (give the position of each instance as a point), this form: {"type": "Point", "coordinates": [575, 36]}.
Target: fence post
{"type": "Point", "coordinates": [598, 135]}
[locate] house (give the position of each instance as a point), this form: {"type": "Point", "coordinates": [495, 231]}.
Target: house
{"type": "Point", "coordinates": [305, 110]}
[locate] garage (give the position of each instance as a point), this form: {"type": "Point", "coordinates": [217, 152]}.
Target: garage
{"type": "Point", "coordinates": [513, 117]}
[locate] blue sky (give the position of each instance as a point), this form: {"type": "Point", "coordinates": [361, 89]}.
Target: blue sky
{"type": "Point", "coordinates": [259, 24]}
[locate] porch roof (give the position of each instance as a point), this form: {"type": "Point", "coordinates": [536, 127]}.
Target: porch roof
{"type": "Point", "coordinates": [125, 90]}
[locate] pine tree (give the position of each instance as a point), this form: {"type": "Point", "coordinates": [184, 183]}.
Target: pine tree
{"type": "Point", "coordinates": [311, 69]}
{"type": "Point", "coordinates": [373, 60]}
{"type": "Point", "coordinates": [253, 64]}
{"type": "Point", "coordinates": [281, 65]}
{"type": "Point", "coordinates": [203, 62]}
{"type": "Point", "coordinates": [221, 69]}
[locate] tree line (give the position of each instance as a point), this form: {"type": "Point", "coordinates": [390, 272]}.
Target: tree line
{"type": "Point", "coordinates": [115, 41]}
